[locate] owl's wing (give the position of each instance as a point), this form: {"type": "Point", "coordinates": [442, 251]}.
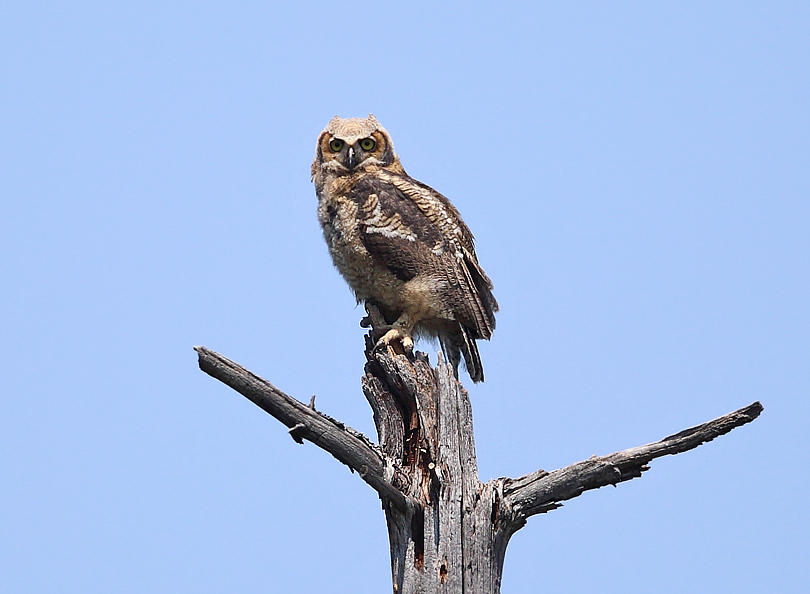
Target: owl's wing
{"type": "Point", "coordinates": [420, 235]}
{"type": "Point", "coordinates": [447, 219]}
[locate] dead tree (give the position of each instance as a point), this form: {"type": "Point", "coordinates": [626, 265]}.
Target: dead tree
{"type": "Point", "coordinates": [447, 530]}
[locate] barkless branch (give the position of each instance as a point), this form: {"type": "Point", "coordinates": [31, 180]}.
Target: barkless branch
{"type": "Point", "coordinates": [447, 530]}
{"type": "Point", "coordinates": [347, 445]}
{"type": "Point", "coordinates": [542, 491]}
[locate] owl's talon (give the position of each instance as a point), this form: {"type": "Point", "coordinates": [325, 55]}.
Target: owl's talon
{"type": "Point", "coordinates": [407, 343]}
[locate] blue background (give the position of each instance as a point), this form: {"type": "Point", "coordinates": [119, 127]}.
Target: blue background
{"type": "Point", "coordinates": [636, 175]}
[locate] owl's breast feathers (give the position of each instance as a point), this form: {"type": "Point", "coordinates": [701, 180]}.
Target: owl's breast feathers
{"type": "Point", "coordinates": [403, 244]}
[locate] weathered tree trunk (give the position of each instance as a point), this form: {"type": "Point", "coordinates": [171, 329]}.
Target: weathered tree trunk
{"type": "Point", "coordinates": [452, 538]}
{"type": "Point", "coordinates": [448, 532]}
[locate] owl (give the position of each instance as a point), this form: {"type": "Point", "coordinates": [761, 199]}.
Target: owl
{"type": "Point", "coordinates": [400, 244]}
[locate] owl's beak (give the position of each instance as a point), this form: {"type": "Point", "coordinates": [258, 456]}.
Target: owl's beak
{"type": "Point", "coordinates": [351, 160]}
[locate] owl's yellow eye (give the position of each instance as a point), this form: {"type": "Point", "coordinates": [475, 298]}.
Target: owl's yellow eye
{"type": "Point", "coordinates": [367, 144]}
{"type": "Point", "coordinates": [335, 145]}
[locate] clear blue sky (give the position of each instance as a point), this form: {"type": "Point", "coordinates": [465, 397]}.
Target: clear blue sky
{"type": "Point", "coordinates": [636, 177]}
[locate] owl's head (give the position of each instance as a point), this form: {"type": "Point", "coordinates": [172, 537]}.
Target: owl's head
{"type": "Point", "coordinates": [353, 144]}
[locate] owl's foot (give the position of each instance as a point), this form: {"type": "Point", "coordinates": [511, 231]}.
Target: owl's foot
{"type": "Point", "coordinates": [396, 333]}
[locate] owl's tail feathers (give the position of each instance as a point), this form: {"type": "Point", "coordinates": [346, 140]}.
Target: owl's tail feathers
{"type": "Point", "coordinates": [471, 357]}
{"type": "Point", "coordinates": [457, 343]}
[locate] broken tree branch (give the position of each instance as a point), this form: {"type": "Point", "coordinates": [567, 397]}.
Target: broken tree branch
{"type": "Point", "coordinates": [543, 491]}
{"type": "Point", "coordinates": [447, 531]}
{"type": "Point", "coordinates": [344, 443]}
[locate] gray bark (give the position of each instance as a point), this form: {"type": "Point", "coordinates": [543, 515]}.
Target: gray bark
{"type": "Point", "coordinates": [447, 530]}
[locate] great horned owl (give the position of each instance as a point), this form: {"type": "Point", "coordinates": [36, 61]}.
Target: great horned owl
{"type": "Point", "coordinates": [400, 244]}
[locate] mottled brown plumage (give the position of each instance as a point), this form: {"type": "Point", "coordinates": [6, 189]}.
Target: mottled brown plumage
{"type": "Point", "coordinates": [399, 243]}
